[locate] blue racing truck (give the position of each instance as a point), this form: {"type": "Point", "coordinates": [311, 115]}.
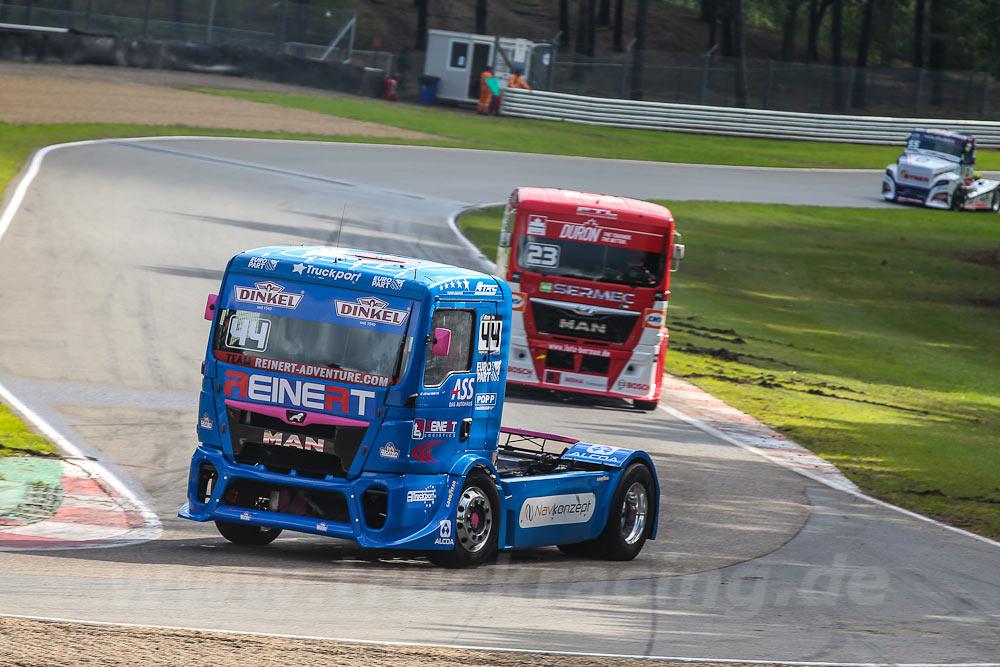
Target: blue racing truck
{"type": "Point", "coordinates": [358, 395]}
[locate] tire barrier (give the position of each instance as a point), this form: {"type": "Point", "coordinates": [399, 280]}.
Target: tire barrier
{"type": "Point", "coordinates": [78, 48]}
{"type": "Point", "coordinates": [758, 123]}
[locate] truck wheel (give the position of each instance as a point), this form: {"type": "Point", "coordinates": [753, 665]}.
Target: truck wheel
{"type": "Point", "coordinates": [957, 202]}
{"type": "Point", "coordinates": [630, 516]}
{"type": "Point", "coordinates": [995, 201]}
{"type": "Point", "coordinates": [240, 533]}
{"type": "Point", "coordinates": [645, 405]}
{"type": "Point", "coordinates": [477, 524]}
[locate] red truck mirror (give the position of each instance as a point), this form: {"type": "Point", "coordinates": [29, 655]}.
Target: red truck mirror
{"type": "Point", "coordinates": [442, 342]}
{"type": "Point", "coordinates": [210, 306]}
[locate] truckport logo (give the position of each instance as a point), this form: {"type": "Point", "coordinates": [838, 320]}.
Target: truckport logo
{"type": "Point", "coordinates": [556, 510]}
{"type": "Point", "coordinates": [428, 495]}
{"type": "Point", "coordinates": [426, 428]}
{"type": "Point", "coordinates": [444, 534]}
{"type": "Point", "coordinates": [261, 263]}
{"type": "Point", "coordinates": [267, 293]}
{"type": "Point", "coordinates": [385, 282]}
{"type": "Point", "coordinates": [334, 274]}
{"type": "Point", "coordinates": [371, 309]}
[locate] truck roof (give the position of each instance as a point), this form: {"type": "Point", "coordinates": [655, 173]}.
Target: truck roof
{"type": "Point", "coordinates": [367, 270]}
{"type": "Point", "coordinates": [943, 133]}
{"type": "Point", "coordinates": [633, 210]}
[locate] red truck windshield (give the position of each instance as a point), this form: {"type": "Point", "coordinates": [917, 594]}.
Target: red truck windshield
{"type": "Point", "coordinates": [590, 261]}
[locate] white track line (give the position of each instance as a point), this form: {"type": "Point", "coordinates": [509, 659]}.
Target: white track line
{"type": "Point", "coordinates": [94, 468]}
{"type": "Point", "coordinates": [502, 649]}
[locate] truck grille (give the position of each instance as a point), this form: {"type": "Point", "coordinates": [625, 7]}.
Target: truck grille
{"type": "Point", "coordinates": [613, 328]}
{"type": "Point", "coordinates": [313, 451]}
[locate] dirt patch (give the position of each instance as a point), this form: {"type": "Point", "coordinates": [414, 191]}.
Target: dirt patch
{"type": "Point", "coordinates": [31, 643]}
{"type": "Point", "coordinates": [990, 258]}
{"type": "Point", "coordinates": [33, 93]}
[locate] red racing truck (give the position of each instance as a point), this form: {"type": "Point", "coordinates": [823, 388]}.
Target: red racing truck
{"type": "Point", "coordinates": [590, 276]}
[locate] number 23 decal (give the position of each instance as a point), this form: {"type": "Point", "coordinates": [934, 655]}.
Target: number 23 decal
{"type": "Point", "coordinates": [490, 334]}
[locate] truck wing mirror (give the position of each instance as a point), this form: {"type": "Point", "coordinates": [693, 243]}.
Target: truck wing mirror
{"type": "Point", "coordinates": [210, 306]}
{"type": "Point", "coordinates": [441, 344]}
{"type": "Point", "coordinates": [678, 251]}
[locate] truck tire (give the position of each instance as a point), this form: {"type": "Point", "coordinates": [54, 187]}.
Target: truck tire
{"type": "Point", "coordinates": [240, 533]}
{"type": "Point", "coordinates": [630, 516]}
{"type": "Point", "coordinates": [646, 406]}
{"type": "Point", "coordinates": [477, 524]}
{"type": "Point", "coordinates": [995, 201]}
{"type": "Point", "coordinates": [957, 202]}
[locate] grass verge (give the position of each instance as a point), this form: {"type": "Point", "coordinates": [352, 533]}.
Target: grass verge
{"type": "Point", "coordinates": [550, 137]}
{"type": "Point", "coordinates": [867, 336]}
{"type": "Point", "coordinates": [16, 439]}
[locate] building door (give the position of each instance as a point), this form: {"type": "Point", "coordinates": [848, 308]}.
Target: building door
{"type": "Point", "coordinates": [482, 55]}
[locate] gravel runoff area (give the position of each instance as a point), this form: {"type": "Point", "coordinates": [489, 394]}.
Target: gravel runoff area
{"type": "Point", "coordinates": [44, 93]}
{"type": "Point", "coordinates": [29, 643]}
{"type": "Point", "coordinates": [37, 93]}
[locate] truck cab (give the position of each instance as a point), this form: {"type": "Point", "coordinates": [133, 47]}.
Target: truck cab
{"type": "Point", "coordinates": [359, 395]}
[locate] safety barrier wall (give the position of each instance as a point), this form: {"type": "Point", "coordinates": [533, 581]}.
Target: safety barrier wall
{"type": "Point", "coordinates": [731, 121]}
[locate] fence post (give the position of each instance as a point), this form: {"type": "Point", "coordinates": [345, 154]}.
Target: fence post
{"type": "Point", "coordinates": [27, 15]}
{"type": "Point", "coordinates": [986, 85]}
{"type": "Point", "coordinates": [767, 84]}
{"type": "Point", "coordinates": [145, 18]}
{"type": "Point", "coordinates": [704, 73]}
{"type": "Point", "coordinates": [281, 26]}
{"type": "Point", "coordinates": [920, 93]}
{"type": "Point", "coordinates": [210, 23]}
{"type": "Point", "coordinates": [627, 71]}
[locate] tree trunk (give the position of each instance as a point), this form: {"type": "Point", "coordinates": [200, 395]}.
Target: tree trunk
{"type": "Point", "coordinates": [919, 11]}
{"type": "Point", "coordinates": [741, 91]}
{"type": "Point", "coordinates": [788, 30]}
{"type": "Point", "coordinates": [420, 43]}
{"type": "Point", "coordinates": [836, 46]}
{"type": "Point", "coordinates": [617, 44]}
{"type": "Point", "coordinates": [604, 13]}
{"type": "Point", "coordinates": [709, 11]}
{"type": "Point", "coordinates": [935, 57]}
{"type": "Point", "coordinates": [638, 53]}
{"type": "Point", "coordinates": [864, 44]}
{"type": "Point", "coordinates": [564, 22]}
{"type": "Point", "coordinates": [817, 8]}
{"type": "Point", "coordinates": [481, 10]}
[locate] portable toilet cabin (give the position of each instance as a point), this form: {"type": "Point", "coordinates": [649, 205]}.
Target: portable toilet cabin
{"type": "Point", "coordinates": [458, 58]}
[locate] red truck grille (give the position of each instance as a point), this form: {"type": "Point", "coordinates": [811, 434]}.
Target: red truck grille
{"type": "Point", "coordinates": [613, 328]}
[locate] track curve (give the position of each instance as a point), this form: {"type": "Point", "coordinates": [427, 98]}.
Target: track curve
{"type": "Point", "coordinates": [104, 271]}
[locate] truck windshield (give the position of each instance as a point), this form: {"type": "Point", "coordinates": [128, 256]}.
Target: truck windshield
{"type": "Point", "coordinates": [590, 261]}
{"type": "Point", "coordinates": [303, 347]}
{"type": "Point", "coordinates": [930, 142]}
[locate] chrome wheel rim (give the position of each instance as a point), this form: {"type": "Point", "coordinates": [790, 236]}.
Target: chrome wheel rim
{"type": "Point", "coordinates": [635, 508]}
{"type": "Point", "coordinates": [474, 520]}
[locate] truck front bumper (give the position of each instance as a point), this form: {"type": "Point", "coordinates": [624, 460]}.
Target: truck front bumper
{"type": "Point", "coordinates": [376, 510]}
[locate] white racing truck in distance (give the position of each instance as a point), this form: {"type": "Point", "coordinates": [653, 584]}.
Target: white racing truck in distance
{"type": "Point", "coordinates": [936, 169]}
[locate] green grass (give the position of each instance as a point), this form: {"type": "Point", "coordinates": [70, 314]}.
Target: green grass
{"type": "Point", "coordinates": [550, 137]}
{"type": "Point", "coordinates": [16, 439]}
{"type": "Point", "coordinates": [867, 336]}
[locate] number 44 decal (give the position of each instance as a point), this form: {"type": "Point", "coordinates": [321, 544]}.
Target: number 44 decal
{"type": "Point", "coordinates": [490, 334]}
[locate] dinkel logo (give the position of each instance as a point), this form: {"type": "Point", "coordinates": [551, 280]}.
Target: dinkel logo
{"type": "Point", "coordinates": [371, 309]}
{"type": "Point", "coordinates": [267, 293]}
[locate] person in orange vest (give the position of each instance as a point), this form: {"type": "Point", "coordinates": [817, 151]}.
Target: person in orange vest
{"type": "Point", "coordinates": [485, 94]}
{"type": "Point", "coordinates": [517, 81]}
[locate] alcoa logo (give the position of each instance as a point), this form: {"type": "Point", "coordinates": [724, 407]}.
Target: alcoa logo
{"type": "Point", "coordinates": [267, 293]}
{"type": "Point", "coordinates": [444, 534]}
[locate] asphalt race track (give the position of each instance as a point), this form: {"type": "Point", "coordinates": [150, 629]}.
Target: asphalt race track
{"type": "Point", "coordinates": [103, 277]}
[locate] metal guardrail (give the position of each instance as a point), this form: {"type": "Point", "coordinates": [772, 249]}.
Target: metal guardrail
{"type": "Point", "coordinates": [758, 123]}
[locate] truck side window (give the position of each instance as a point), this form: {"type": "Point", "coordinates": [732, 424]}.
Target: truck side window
{"type": "Point", "coordinates": [459, 359]}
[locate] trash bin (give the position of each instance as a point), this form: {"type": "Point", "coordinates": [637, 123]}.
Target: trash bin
{"type": "Point", "coordinates": [428, 89]}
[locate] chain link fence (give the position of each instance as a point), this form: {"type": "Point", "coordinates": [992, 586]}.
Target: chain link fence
{"type": "Point", "coordinates": [270, 25]}
{"type": "Point", "coordinates": [686, 78]}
